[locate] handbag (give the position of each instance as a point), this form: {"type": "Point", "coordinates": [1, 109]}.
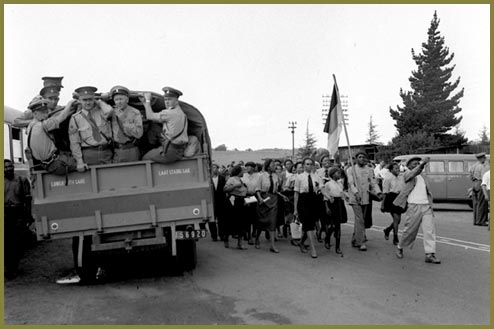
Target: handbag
{"type": "Point", "coordinates": [296, 229]}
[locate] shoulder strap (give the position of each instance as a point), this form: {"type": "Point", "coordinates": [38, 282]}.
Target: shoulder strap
{"type": "Point", "coordinates": [122, 129]}
{"type": "Point", "coordinates": [181, 131]}
{"type": "Point", "coordinates": [93, 124]}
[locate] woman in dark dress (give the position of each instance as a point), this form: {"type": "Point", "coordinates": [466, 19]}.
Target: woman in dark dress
{"type": "Point", "coordinates": [392, 185]}
{"type": "Point", "coordinates": [267, 197]}
{"type": "Point", "coordinates": [307, 187]}
{"type": "Point", "coordinates": [335, 207]}
{"type": "Point", "coordinates": [236, 193]}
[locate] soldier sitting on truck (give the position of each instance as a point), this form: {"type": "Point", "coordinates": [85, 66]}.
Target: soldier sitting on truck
{"type": "Point", "coordinates": [174, 134]}
{"type": "Point", "coordinates": [89, 131]}
{"type": "Point", "coordinates": [126, 123]}
{"type": "Point", "coordinates": [26, 117]}
{"type": "Point", "coordinates": [41, 143]}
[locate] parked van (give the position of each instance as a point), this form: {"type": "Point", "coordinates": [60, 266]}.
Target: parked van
{"type": "Point", "coordinates": [448, 175]}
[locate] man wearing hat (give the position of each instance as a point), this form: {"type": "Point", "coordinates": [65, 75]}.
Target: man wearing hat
{"type": "Point", "coordinates": [174, 131]}
{"type": "Point", "coordinates": [416, 197]}
{"type": "Point", "coordinates": [89, 130]}
{"type": "Point", "coordinates": [479, 203]}
{"type": "Point", "coordinates": [361, 183]}
{"type": "Point", "coordinates": [51, 92]}
{"type": "Point", "coordinates": [126, 124]}
{"type": "Point", "coordinates": [41, 141]}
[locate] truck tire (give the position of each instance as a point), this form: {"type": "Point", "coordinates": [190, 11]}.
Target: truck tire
{"type": "Point", "coordinates": [87, 272]}
{"type": "Point", "coordinates": [187, 254]}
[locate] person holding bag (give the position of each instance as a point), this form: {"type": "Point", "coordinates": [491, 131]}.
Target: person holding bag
{"type": "Point", "coordinates": [307, 187]}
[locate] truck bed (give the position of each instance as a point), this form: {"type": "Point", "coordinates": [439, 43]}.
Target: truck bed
{"type": "Point", "coordinates": [123, 197]}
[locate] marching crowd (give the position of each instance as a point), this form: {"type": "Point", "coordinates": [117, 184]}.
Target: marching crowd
{"type": "Point", "coordinates": [251, 198]}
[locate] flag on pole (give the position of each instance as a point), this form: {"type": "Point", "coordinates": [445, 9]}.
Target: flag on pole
{"type": "Point", "coordinates": [334, 122]}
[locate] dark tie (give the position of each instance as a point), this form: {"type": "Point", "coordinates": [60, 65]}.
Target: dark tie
{"type": "Point", "coordinates": [326, 173]}
{"type": "Point", "coordinates": [271, 184]}
{"type": "Point", "coordinates": [311, 186]}
{"type": "Point", "coordinates": [96, 134]}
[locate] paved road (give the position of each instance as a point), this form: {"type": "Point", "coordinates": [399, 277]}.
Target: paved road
{"type": "Point", "coordinates": [231, 286]}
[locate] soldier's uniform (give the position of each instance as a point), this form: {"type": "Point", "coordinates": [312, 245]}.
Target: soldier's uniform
{"type": "Point", "coordinates": [127, 127]}
{"type": "Point", "coordinates": [90, 133]}
{"type": "Point", "coordinates": [174, 132]}
{"type": "Point", "coordinates": [42, 144]}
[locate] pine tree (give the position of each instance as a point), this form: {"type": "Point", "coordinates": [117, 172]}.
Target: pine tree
{"type": "Point", "coordinates": [430, 107]}
{"type": "Point", "coordinates": [484, 136]}
{"type": "Point", "coordinates": [309, 146]}
{"type": "Point", "coordinates": [373, 136]}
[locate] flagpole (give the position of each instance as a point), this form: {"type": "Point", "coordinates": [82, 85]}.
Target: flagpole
{"type": "Point", "coordinates": [348, 143]}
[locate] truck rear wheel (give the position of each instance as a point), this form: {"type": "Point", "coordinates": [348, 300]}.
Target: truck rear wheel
{"type": "Point", "coordinates": [187, 254]}
{"type": "Point", "coordinates": [87, 272]}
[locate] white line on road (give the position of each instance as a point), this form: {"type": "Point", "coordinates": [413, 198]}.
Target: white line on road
{"type": "Point", "coordinates": [441, 239]}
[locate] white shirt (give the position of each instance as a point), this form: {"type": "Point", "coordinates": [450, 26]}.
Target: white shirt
{"type": "Point", "coordinates": [419, 192]}
{"type": "Point", "coordinates": [333, 189]}
{"type": "Point", "coordinates": [302, 182]}
{"type": "Point", "coordinates": [486, 180]}
{"type": "Point", "coordinates": [215, 182]}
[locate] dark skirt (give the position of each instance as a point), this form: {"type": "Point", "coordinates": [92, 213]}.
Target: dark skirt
{"type": "Point", "coordinates": [338, 211]}
{"type": "Point", "coordinates": [236, 222]}
{"type": "Point", "coordinates": [267, 212]}
{"type": "Point", "coordinates": [308, 210]}
{"type": "Point", "coordinates": [388, 203]}
{"type": "Point", "coordinates": [289, 205]}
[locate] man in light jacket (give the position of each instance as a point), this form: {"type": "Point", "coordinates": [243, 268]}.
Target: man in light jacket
{"type": "Point", "coordinates": [417, 199]}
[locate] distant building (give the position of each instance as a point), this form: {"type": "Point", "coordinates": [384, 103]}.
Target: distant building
{"type": "Point", "coordinates": [370, 149]}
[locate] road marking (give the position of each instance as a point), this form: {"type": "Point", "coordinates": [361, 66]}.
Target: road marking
{"type": "Point", "coordinates": [441, 239]}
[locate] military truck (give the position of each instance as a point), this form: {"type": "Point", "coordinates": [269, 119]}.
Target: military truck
{"type": "Point", "coordinates": [130, 207]}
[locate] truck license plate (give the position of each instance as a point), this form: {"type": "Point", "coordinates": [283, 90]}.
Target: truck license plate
{"type": "Point", "coordinates": [195, 234]}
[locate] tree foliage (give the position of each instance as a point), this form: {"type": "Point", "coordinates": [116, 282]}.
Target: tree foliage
{"type": "Point", "coordinates": [309, 146]}
{"type": "Point", "coordinates": [431, 106]}
{"type": "Point", "coordinates": [372, 135]}
{"type": "Point", "coordinates": [221, 147]}
{"type": "Point", "coordinates": [419, 142]}
{"type": "Point", "coordinates": [484, 136]}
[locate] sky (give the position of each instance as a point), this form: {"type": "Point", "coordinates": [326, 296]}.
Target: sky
{"type": "Point", "coordinates": [250, 69]}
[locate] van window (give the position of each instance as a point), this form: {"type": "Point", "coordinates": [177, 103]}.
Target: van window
{"type": "Point", "coordinates": [470, 164]}
{"type": "Point", "coordinates": [455, 166]}
{"type": "Point", "coordinates": [436, 166]}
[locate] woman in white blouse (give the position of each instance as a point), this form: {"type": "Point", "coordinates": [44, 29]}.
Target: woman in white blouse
{"type": "Point", "coordinates": [307, 187]}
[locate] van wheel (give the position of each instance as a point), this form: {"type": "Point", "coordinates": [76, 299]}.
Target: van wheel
{"type": "Point", "coordinates": [187, 254]}
{"type": "Point", "coordinates": [87, 272]}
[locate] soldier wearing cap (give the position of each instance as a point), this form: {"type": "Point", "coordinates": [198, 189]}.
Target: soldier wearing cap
{"type": "Point", "coordinates": [89, 130]}
{"type": "Point", "coordinates": [126, 123]}
{"type": "Point", "coordinates": [174, 132]}
{"type": "Point", "coordinates": [51, 92]}
{"type": "Point", "coordinates": [479, 203]}
{"type": "Point", "coordinates": [41, 141]}
{"type": "Point", "coordinates": [361, 182]}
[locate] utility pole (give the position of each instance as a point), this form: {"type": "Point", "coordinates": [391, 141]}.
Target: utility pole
{"type": "Point", "coordinates": [292, 126]}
